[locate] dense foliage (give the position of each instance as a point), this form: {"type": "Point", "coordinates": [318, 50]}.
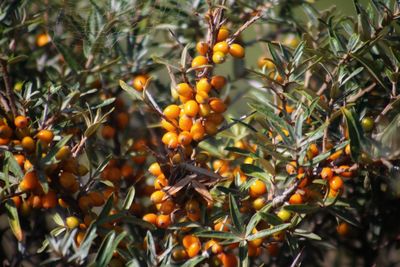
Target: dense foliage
{"type": "Point", "coordinates": [211, 133]}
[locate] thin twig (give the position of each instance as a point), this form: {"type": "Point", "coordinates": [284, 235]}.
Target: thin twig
{"type": "Point", "coordinates": [76, 149]}
{"type": "Point", "coordinates": [279, 200]}
{"type": "Point", "coordinates": [7, 83]}
{"type": "Point", "coordinates": [361, 93]}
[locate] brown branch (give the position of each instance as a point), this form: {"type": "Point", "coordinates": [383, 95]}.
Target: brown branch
{"type": "Point", "coordinates": [7, 83]}
{"type": "Point", "coordinates": [279, 200]}
{"type": "Point", "coordinates": [361, 93]}
{"type": "Point", "coordinates": [388, 108]}
{"type": "Point", "coordinates": [246, 25]}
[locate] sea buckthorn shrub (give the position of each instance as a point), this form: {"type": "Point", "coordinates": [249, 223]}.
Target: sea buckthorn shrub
{"type": "Point", "coordinates": [199, 133]}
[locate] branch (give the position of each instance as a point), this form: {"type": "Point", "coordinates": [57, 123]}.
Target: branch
{"type": "Point", "coordinates": [7, 83]}
{"type": "Point", "coordinates": [361, 93]}
{"type": "Point", "coordinates": [279, 200]}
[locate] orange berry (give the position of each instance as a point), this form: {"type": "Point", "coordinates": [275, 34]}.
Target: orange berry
{"type": "Point", "coordinates": [85, 203]}
{"type": "Point", "coordinates": [160, 182]}
{"type": "Point", "coordinates": [343, 229]}
{"type": "Point", "coordinates": [5, 132]}
{"type": "Point", "coordinates": [347, 149]}
{"type": "Point", "coordinates": [20, 159]}
{"type": "Point", "coordinates": [45, 136]}
{"type": "Point", "coordinates": [218, 57]}
{"type": "Point", "coordinates": [163, 221]}
{"type": "Point", "coordinates": [157, 196]}
{"type": "Point", "coordinates": [67, 180]}
{"type": "Point", "coordinates": [122, 120]}
{"type": "Point", "coordinates": [188, 240]}
{"type": "Point", "coordinates": [72, 222]}
{"type": "Point", "coordinates": [179, 254]}
{"type": "Point", "coordinates": [35, 202]}
{"type": "Point", "coordinates": [21, 121]}
{"type": "Point", "coordinates": [79, 238]}
{"type": "Point", "coordinates": [291, 168]}
{"type": "Point", "coordinates": [214, 246]}
{"type": "Point", "coordinates": [97, 198]}
{"type": "Point", "coordinates": [314, 150]}
{"type": "Point", "coordinates": [210, 127]}
{"type": "Point", "coordinates": [191, 108]}
{"type": "Point", "coordinates": [257, 188]}
{"type": "Point", "coordinates": [273, 249]}
{"type": "Point", "coordinates": [203, 85]}
{"type": "Point", "coordinates": [126, 170]}
{"type": "Point", "coordinates": [218, 82]}
{"type": "Point", "coordinates": [223, 33]}
{"type": "Point", "coordinates": [344, 171]}
{"type": "Point", "coordinates": [335, 155]}
{"type": "Point", "coordinates": [199, 61]}
{"type": "Point", "coordinates": [218, 118]}
{"type": "Point", "coordinates": [220, 165]}
{"type": "Point", "coordinates": [168, 126]}
{"type": "Point", "coordinates": [201, 97]}
{"type": "Point", "coordinates": [228, 259]}
{"type": "Point", "coordinates": [326, 173]}
{"type": "Point", "coordinates": [108, 132]}
{"type": "Point", "coordinates": [222, 226]}
{"type": "Point", "coordinates": [197, 131]}
{"type": "Point", "coordinates": [204, 109]}
{"type": "Point", "coordinates": [49, 200]}
{"type": "Point", "coordinates": [185, 138]}
{"type": "Point", "coordinates": [170, 139]}
{"type": "Point", "coordinates": [155, 169]}
{"type": "Point", "coordinates": [166, 207]}
{"type": "Point", "coordinates": [336, 183]}
{"type": "Point", "coordinates": [185, 123]}
{"type": "Point", "coordinates": [217, 105]}
{"type": "Point", "coordinates": [193, 250]}
{"type": "Point", "coordinates": [172, 112]}
{"type": "Point", "coordinates": [139, 82]}
{"type": "Point", "coordinates": [202, 48]}
{"type": "Point", "coordinates": [29, 182]}
{"type": "Point", "coordinates": [264, 61]}
{"type": "Point", "coordinates": [184, 89]}
{"type": "Point", "coordinates": [43, 39]}
{"type": "Point", "coordinates": [296, 199]}
{"type": "Point", "coordinates": [222, 46]}
{"type": "Point", "coordinates": [236, 50]}
{"type": "Point", "coordinates": [259, 203]}
{"type": "Point", "coordinates": [151, 218]}
{"type": "Point", "coordinates": [284, 215]}
{"type": "Point", "coordinates": [4, 141]}
{"type": "Point", "coordinates": [17, 201]}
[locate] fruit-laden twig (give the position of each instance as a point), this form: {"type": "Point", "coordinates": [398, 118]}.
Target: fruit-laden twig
{"type": "Point", "coordinates": [9, 92]}
{"type": "Point", "coordinates": [279, 200]}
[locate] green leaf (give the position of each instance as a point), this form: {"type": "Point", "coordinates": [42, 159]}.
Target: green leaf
{"type": "Point", "coordinates": [151, 247]}
{"type": "Point", "coordinates": [243, 254]}
{"type": "Point", "coordinates": [271, 218]}
{"type": "Point", "coordinates": [277, 60]}
{"type": "Point", "coordinates": [68, 57]}
{"type": "Point", "coordinates": [344, 214]}
{"type": "Point", "coordinates": [132, 92]}
{"type": "Point", "coordinates": [355, 133]}
{"type": "Point", "coordinates": [12, 165]}
{"type": "Point", "coordinates": [129, 198]}
{"type": "Point", "coordinates": [107, 247]}
{"type": "Point", "coordinates": [268, 232]}
{"type": "Point", "coordinates": [219, 235]}
{"type": "Point", "coordinates": [194, 261]}
{"type": "Point", "coordinates": [235, 214]}
{"type": "Point", "coordinates": [50, 156]}
{"type": "Point", "coordinates": [17, 59]}
{"type": "Point", "coordinates": [13, 219]}
{"type": "Point", "coordinates": [254, 171]}
{"type": "Point", "coordinates": [301, 208]}
{"type": "Point", "coordinates": [306, 234]}
{"type": "Point", "coordinates": [369, 66]}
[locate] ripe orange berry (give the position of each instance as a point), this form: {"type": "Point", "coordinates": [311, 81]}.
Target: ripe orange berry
{"type": "Point", "coordinates": [291, 168]}
{"type": "Point", "coordinates": [157, 196]}
{"type": "Point", "coordinates": [218, 57]}
{"type": "Point", "coordinates": [35, 202]}
{"type": "Point", "coordinates": [184, 89]}
{"type": "Point", "coordinates": [222, 226]}
{"type": "Point", "coordinates": [273, 249]}
{"type": "Point", "coordinates": [150, 217]}
{"type": "Point", "coordinates": [29, 182]}
{"type": "Point", "coordinates": [5, 132]}
{"type": "Point", "coordinates": [79, 238]}
{"type": "Point", "coordinates": [220, 165]}
{"type": "Point", "coordinates": [170, 139]}
{"type": "Point", "coordinates": [172, 112]}
{"type": "Point", "coordinates": [160, 182]}
{"type": "Point", "coordinates": [217, 105]}
{"type": "Point", "coordinates": [203, 85]}
{"type": "Point", "coordinates": [155, 169]}
{"type": "Point", "coordinates": [108, 132]}
{"type": "Point", "coordinates": [179, 254]}
{"type": "Point", "coordinates": [199, 61]}
{"type": "Point", "coordinates": [185, 138]}
{"type": "Point", "coordinates": [185, 123]}
{"type": "Point", "coordinates": [265, 62]}
{"type": "Point", "coordinates": [223, 33]}
{"type": "Point", "coordinates": [202, 48]}
{"type": "Point", "coordinates": [335, 155]}
{"type": "Point", "coordinates": [204, 109]}
{"type": "Point", "coordinates": [193, 249]}
{"type": "Point", "coordinates": [343, 229]}
{"type": "Point", "coordinates": [168, 126]}
{"type": "Point", "coordinates": [72, 222]}
{"type": "Point", "coordinates": [49, 200]}
{"type": "Point", "coordinates": [63, 153]}
{"type": "Point", "coordinates": [228, 259]}
{"type": "Point", "coordinates": [214, 246]}
{"type": "Point", "coordinates": [197, 131]}
{"type": "Point", "coordinates": [163, 221]}
{"type": "Point", "coordinates": [201, 97]}
{"type": "Point", "coordinates": [336, 183]}
{"type": "Point", "coordinates": [17, 201]}
{"type": "Point", "coordinates": [45, 136]}
{"type": "Point", "coordinates": [96, 198]}
{"type": "Point", "coordinates": [20, 159]}
{"type": "Point", "coordinates": [314, 150]}
{"type": "Point", "coordinates": [347, 149]}
{"type": "Point", "coordinates": [21, 121]}
{"type": "Point", "coordinates": [191, 108]}
{"type": "Point", "coordinates": [257, 188]}
{"type": "Point", "coordinates": [296, 199]}
{"type": "Point", "coordinates": [218, 82]}
{"type": "Point", "coordinates": [67, 180]}
{"type": "Point", "coordinates": [85, 203]}
{"type": "Point", "coordinates": [188, 240]}
{"type": "Point", "coordinates": [222, 46]}
{"type": "Point", "coordinates": [139, 82]}
{"type": "Point", "coordinates": [326, 173]}
{"type": "Point", "coordinates": [210, 127]}
{"type": "Point", "coordinates": [43, 39]}
{"type": "Point", "coordinates": [122, 120]}
{"type": "Point", "coordinates": [166, 207]}
{"type": "Point", "coordinates": [345, 172]}
{"type": "Point", "coordinates": [236, 50]}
